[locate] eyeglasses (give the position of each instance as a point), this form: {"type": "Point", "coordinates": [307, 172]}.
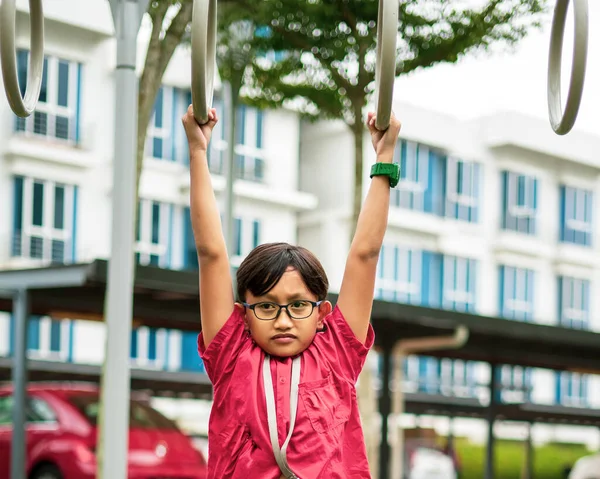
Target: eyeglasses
{"type": "Point", "coordinates": [268, 311]}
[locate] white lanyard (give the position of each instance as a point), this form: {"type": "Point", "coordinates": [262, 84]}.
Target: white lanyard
{"type": "Point", "coordinates": [280, 454]}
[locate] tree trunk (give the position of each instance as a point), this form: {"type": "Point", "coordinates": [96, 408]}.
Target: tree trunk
{"type": "Point", "coordinates": [358, 134]}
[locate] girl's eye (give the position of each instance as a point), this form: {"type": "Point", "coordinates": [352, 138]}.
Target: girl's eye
{"type": "Point", "coordinates": [299, 304]}
{"type": "Point", "coordinates": [265, 306]}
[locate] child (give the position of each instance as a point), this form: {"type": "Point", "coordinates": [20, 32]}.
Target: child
{"type": "Point", "coordinates": [283, 363]}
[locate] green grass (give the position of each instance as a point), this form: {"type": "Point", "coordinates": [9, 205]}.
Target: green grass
{"type": "Point", "coordinates": [549, 459]}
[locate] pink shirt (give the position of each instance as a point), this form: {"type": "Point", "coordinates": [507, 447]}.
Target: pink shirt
{"type": "Point", "coordinates": [327, 441]}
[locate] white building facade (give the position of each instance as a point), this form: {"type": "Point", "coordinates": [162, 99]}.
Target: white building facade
{"type": "Point", "coordinates": [56, 177]}
{"type": "Point", "coordinates": [495, 217]}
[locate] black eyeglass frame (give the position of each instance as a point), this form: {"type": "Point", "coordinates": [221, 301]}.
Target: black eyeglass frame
{"type": "Point", "coordinates": [314, 304]}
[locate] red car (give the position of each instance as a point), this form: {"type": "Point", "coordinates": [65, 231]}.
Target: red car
{"type": "Point", "coordinates": [62, 436]}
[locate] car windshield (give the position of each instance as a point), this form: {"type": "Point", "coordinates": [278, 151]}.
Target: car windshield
{"type": "Point", "coordinates": [141, 415]}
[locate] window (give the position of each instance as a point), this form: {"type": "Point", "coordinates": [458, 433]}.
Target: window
{"type": "Point", "coordinates": [422, 374]}
{"type": "Point", "coordinates": [6, 410]}
{"type": "Point", "coordinates": [576, 216]}
{"type": "Point", "coordinates": [574, 302]}
{"type": "Point", "coordinates": [462, 198]}
{"type": "Point", "coordinates": [39, 411]}
{"type": "Point", "coordinates": [190, 360]}
{"type": "Point", "coordinates": [154, 233]}
{"type": "Point", "coordinates": [141, 415]}
{"type": "Point", "coordinates": [44, 220]}
{"type": "Point", "coordinates": [247, 235]}
{"type": "Point", "coordinates": [516, 384]}
{"type": "Point", "coordinates": [58, 109]}
{"type": "Point", "coordinates": [49, 339]}
{"type": "Point", "coordinates": [459, 284]}
{"type": "Point", "coordinates": [218, 143]}
{"type": "Point", "coordinates": [516, 293]}
{"type": "Point", "coordinates": [399, 274]}
{"type": "Point", "coordinates": [519, 202]}
{"type": "Point", "coordinates": [190, 256]}
{"type": "Point", "coordinates": [150, 348]}
{"type": "Point", "coordinates": [422, 178]}
{"type": "Point", "coordinates": [414, 172]}
{"type": "Point", "coordinates": [249, 161]}
{"type": "Point", "coordinates": [159, 134]}
{"type": "Point", "coordinates": [457, 378]}
{"type": "Point", "coordinates": [572, 389]}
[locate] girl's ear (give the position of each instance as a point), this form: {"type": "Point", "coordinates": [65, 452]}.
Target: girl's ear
{"type": "Point", "coordinates": [324, 310]}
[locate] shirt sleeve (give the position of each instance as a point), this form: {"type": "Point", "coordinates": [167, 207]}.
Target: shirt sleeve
{"type": "Point", "coordinates": [342, 348]}
{"type": "Point", "coordinates": [220, 356]}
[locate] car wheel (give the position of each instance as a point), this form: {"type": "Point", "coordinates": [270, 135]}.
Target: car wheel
{"type": "Point", "coordinates": [47, 472]}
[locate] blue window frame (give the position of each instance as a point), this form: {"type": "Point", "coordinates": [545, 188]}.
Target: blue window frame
{"type": "Point", "coordinates": [399, 274]}
{"type": "Point", "coordinates": [572, 389]}
{"type": "Point", "coordinates": [57, 114]}
{"type": "Point", "coordinates": [47, 339]}
{"type": "Point", "coordinates": [459, 277]}
{"type": "Point", "coordinates": [462, 197]}
{"type": "Point", "coordinates": [422, 171]}
{"type": "Point", "coordinates": [516, 384]}
{"type": "Point", "coordinates": [516, 293]}
{"type": "Point", "coordinates": [576, 206]}
{"type": "Point", "coordinates": [574, 302]}
{"type": "Point", "coordinates": [519, 202]}
{"type": "Point", "coordinates": [247, 236]}
{"type": "Point", "coordinates": [249, 161]}
{"type": "Point", "coordinates": [422, 374]}
{"type": "Point", "coordinates": [159, 137]}
{"type": "Point", "coordinates": [190, 360]}
{"type": "Point", "coordinates": [150, 348]}
{"type": "Point", "coordinates": [44, 220]}
{"type": "Point", "coordinates": [154, 233]}
{"type": "Point", "coordinates": [457, 378]}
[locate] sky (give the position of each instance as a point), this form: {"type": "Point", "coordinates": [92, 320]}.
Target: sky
{"type": "Point", "coordinates": [514, 81]}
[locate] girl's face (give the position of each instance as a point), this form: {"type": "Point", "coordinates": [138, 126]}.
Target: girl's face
{"type": "Point", "coordinates": [285, 336]}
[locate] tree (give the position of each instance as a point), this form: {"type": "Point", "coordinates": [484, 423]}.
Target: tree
{"type": "Point", "coordinates": [329, 63]}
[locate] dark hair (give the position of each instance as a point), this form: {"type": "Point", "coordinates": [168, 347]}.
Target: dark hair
{"type": "Point", "coordinates": [264, 266]}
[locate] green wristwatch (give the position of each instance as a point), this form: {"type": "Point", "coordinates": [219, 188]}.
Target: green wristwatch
{"type": "Point", "coordinates": [392, 170]}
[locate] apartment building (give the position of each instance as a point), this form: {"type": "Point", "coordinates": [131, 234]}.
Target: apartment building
{"type": "Point", "coordinates": [495, 216]}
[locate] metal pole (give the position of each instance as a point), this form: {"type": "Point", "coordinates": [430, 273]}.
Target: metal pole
{"type": "Point", "coordinates": [229, 106]}
{"type": "Point", "coordinates": [397, 463]}
{"type": "Point", "coordinates": [114, 444]}
{"type": "Point", "coordinates": [491, 417]}
{"type": "Point", "coordinates": [19, 379]}
{"type": "Point", "coordinates": [385, 406]}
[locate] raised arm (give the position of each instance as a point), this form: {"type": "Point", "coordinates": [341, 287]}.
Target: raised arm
{"type": "Point", "coordinates": [216, 290]}
{"type": "Point", "coordinates": [356, 293]}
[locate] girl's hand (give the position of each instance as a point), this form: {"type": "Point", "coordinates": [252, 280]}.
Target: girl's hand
{"type": "Point", "coordinates": [384, 142]}
{"type": "Point", "coordinates": [199, 135]}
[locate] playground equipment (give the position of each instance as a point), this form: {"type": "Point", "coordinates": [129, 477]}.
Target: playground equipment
{"type": "Point", "coordinates": [562, 122]}
{"type": "Point", "coordinates": [204, 35]}
{"type": "Point", "coordinates": [23, 107]}
{"type": "Point", "coordinates": [385, 73]}
{"type": "Point", "coordinates": [204, 56]}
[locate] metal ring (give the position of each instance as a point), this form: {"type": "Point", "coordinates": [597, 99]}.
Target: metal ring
{"type": "Point", "coordinates": [562, 123]}
{"type": "Point", "coordinates": [204, 56]}
{"type": "Point", "coordinates": [385, 70]}
{"type": "Point", "coordinates": [22, 106]}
